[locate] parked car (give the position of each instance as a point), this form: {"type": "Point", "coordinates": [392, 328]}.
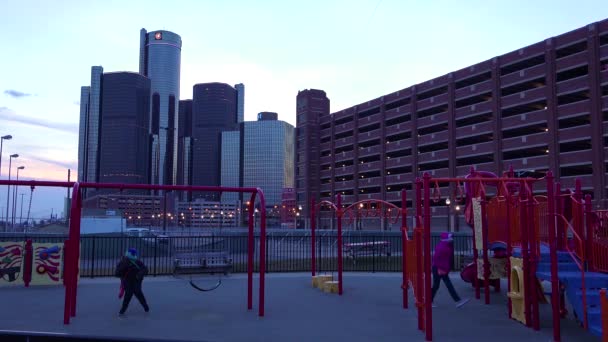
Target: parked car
{"type": "Point", "coordinates": [148, 235]}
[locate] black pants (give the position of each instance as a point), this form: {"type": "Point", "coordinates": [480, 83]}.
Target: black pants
{"type": "Point", "coordinates": [133, 288]}
{"type": "Point", "coordinates": [448, 283]}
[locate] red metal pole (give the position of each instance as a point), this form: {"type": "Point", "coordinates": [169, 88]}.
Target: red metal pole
{"type": "Point", "coordinates": [419, 262]}
{"type": "Point", "coordinates": [76, 244]}
{"type": "Point", "coordinates": [553, 250]}
{"type": "Point", "coordinates": [476, 261]}
{"type": "Point", "coordinates": [28, 259]}
{"type": "Point", "coordinates": [339, 200]}
{"type": "Point", "coordinates": [559, 210]}
{"type": "Point", "coordinates": [313, 223]}
{"type": "Point", "coordinates": [427, 258]}
{"type": "Point", "coordinates": [589, 239]}
{"type": "Point", "coordinates": [405, 283]}
{"type": "Point", "coordinates": [486, 260]}
{"type": "Point", "coordinates": [66, 281]}
{"type": "Point", "coordinates": [262, 253]}
{"type": "Point", "coordinates": [250, 247]}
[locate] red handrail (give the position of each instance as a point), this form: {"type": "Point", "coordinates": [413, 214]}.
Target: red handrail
{"type": "Point", "coordinates": [581, 264]}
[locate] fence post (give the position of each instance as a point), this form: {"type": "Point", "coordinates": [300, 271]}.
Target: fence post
{"type": "Point", "coordinates": [339, 200]}
{"type": "Point", "coordinates": [313, 224]}
{"type": "Point", "coordinates": [155, 249]}
{"type": "Point", "coordinates": [405, 283]}
{"type": "Point", "coordinates": [92, 274]}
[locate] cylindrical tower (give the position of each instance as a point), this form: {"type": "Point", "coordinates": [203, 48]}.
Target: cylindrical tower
{"type": "Point", "coordinates": [160, 56]}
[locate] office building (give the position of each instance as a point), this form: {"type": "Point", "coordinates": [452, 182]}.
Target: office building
{"type": "Point", "coordinates": [214, 109]}
{"type": "Point", "coordinates": [260, 154]}
{"type": "Point", "coordinates": [262, 116]}
{"type": "Point", "coordinates": [137, 210]}
{"type": "Point", "coordinates": [124, 155]}
{"type": "Point", "coordinates": [230, 170]}
{"type": "Point", "coordinates": [311, 106]}
{"type": "Point", "coordinates": [207, 214]}
{"type": "Point", "coordinates": [159, 60]}
{"type": "Point", "coordinates": [184, 143]}
{"type": "Point", "coordinates": [267, 157]}
{"type": "Point", "coordinates": [88, 143]}
{"type": "Point", "coordinates": [240, 102]}
{"type": "Point", "coordinates": [82, 132]}
{"type": "Point", "coordinates": [542, 107]}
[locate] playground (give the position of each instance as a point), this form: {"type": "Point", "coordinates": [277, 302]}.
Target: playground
{"type": "Point", "coordinates": [520, 240]}
{"type": "Point", "coordinates": [369, 310]}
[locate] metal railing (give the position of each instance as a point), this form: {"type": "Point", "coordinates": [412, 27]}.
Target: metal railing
{"type": "Point", "coordinates": [284, 252]}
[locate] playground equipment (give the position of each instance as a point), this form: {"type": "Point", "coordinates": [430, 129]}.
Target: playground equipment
{"type": "Point", "coordinates": [202, 262]}
{"type": "Point", "coordinates": [71, 248]}
{"type": "Point", "coordinates": [365, 208]}
{"type": "Point", "coordinates": [556, 238]}
{"type": "Point", "coordinates": [476, 213]}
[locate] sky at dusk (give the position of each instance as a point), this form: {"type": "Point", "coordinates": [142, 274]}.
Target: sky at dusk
{"type": "Point", "coordinates": [354, 50]}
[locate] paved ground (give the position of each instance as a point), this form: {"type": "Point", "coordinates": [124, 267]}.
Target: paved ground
{"type": "Point", "coordinates": [369, 310]}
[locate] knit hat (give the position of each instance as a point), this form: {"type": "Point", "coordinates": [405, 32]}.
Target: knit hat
{"type": "Point", "coordinates": [447, 237]}
{"type": "Point", "coordinates": [131, 253]}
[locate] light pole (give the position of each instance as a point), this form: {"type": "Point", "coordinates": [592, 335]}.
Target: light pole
{"type": "Point", "coordinates": [8, 189]}
{"type": "Point", "coordinates": [21, 213]}
{"type": "Point", "coordinates": [5, 137]}
{"type": "Point", "coordinates": [447, 207]}
{"type": "Point", "coordinates": [15, 198]}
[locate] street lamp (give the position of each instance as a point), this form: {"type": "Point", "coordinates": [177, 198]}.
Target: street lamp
{"type": "Point", "coordinates": [6, 137]}
{"type": "Point", "coordinates": [15, 198]}
{"type": "Point", "coordinates": [8, 189]}
{"type": "Point", "coordinates": [447, 206]}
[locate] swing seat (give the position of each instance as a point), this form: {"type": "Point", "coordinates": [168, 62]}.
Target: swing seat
{"type": "Point", "coordinates": [202, 262]}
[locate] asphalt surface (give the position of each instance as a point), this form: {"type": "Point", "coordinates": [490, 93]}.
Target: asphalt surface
{"type": "Point", "coordinates": [369, 310]}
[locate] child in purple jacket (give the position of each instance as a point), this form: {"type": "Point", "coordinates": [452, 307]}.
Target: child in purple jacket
{"type": "Point", "coordinates": [442, 264]}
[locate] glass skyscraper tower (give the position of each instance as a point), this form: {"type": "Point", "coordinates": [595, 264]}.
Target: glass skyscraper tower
{"type": "Point", "coordinates": [159, 60]}
{"type": "Point", "coordinates": [88, 137]}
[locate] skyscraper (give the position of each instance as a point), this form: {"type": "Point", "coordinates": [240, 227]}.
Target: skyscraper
{"type": "Point", "coordinates": [184, 136]}
{"type": "Point", "coordinates": [88, 144]}
{"type": "Point", "coordinates": [240, 102]}
{"type": "Point", "coordinates": [213, 111]}
{"type": "Point", "coordinates": [159, 60]}
{"type": "Point", "coordinates": [230, 164]}
{"type": "Point", "coordinates": [267, 150]}
{"type": "Point", "coordinates": [259, 154]}
{"type": "Point", "coordinates": [125, 113]}
{"type": "Point", "coordinates": [82, 131]}
{"type": "Point", "coordinates": [311, 105]}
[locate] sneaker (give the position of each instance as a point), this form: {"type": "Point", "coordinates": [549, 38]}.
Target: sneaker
{"type": "Point", "coordinates": [462, 302]}
{"type": "Point", "coordinates": [147, 309]}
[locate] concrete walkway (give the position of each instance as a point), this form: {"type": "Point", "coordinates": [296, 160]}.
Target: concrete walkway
{"type": "Point", "coordinates": [369, 310]}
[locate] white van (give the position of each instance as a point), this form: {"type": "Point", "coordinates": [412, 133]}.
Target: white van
{"type": "Point", "coordinates": [147, 235]}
